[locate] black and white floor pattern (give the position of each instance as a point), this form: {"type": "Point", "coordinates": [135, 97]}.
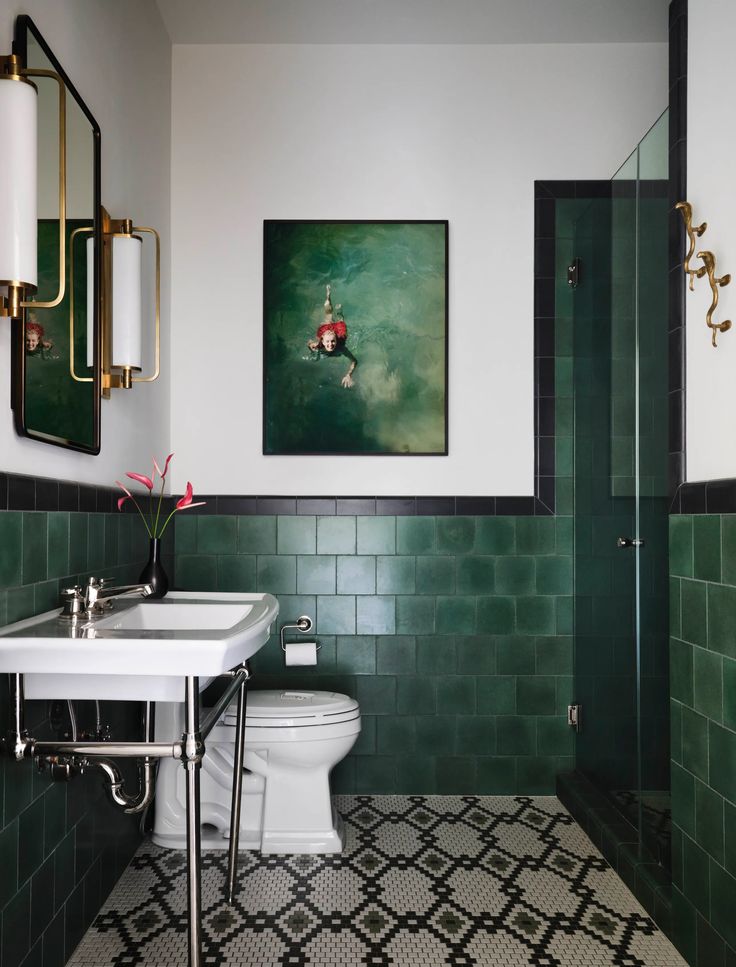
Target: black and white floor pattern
{"type": "Point", "coordinates": [424, 881]}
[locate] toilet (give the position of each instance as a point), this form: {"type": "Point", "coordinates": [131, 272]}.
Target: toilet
{"type": "Point", "coordinates": [293, 739]}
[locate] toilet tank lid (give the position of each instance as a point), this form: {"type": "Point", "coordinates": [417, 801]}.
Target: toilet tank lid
{"type": "Point", "coordinates": [293, 703]}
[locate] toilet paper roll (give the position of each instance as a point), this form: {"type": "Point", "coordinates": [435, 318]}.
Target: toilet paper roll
{"type": "Point", "coordinates": [300, 653]}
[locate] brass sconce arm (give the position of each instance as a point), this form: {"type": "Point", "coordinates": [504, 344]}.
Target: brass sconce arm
{"type": "Point", "coordinates": [686, 210]}
{"type": "Point", "coordinates": [72, 371]}
{"type": "Point", "coordinates": [709, 269]}
{"type": "Point", "coordinates": [157, 321]}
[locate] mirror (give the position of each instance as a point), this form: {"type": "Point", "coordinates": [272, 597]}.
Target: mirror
{"type": "Point", "coordinates": [56, 371]}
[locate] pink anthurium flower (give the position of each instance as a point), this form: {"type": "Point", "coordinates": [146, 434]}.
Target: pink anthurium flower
{"type": "Point", "coordinates": [159, 471]}
{"type": "Point", "coordinates": [151, 521]}
{"type": "Point", "coordinates": [121, 501]}
{"type": "Point", "coordinates": [146, 481]}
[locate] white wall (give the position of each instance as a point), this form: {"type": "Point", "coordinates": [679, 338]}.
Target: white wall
{"type": "Point", "coordinates": [374, 132]}
{"type": "Point", "coordinates": [118, 56]}
{"type": "Point", "coordinates": [711, 373]}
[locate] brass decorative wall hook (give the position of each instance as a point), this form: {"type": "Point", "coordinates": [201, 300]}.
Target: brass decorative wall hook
{"type": "Point", "coordinates": [709, 269]}
{"type": "Point", "coordinates": [686, 210]}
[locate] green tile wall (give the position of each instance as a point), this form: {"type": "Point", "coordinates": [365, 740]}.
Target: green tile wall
{"type": "Point", "coordinates": [62, 846]}
{"type": "Point", "coordinates": [703, 725]}
{"type": "Point", "coordinates": [454, 633]}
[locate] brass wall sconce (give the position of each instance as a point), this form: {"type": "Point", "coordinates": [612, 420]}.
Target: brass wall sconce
{"type": "Point", "coordinates": [707, 268]}
{"type": "Point", "coordinates": [18, 187]}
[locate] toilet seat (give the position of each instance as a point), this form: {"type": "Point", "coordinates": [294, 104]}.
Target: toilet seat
{"type": "Point", "coordinates": [290, 709]}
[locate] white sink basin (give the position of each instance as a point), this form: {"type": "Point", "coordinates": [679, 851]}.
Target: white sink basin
{"type": "Point", "coordinates": [142, 650]}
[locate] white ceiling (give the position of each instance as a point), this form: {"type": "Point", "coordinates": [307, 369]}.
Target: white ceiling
{"type": "Point", "coordinates": [414, 21]}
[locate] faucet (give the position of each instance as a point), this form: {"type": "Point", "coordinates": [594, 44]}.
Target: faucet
{"type": "Point", "coordinates": [97, 597]}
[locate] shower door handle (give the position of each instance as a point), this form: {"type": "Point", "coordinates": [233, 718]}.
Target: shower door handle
{"type": "Point", "coordinates": [624, 542]}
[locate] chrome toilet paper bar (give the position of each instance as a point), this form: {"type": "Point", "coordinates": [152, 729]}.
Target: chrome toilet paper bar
{"type": "Point", "coordinates": [303, 624]}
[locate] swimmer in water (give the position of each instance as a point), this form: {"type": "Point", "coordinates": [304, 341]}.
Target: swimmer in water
{"type": "Point", "coordinates": [330, 341]}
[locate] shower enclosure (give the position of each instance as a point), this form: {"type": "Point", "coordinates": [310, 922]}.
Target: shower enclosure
{"type": "Point", "coordinates": [620, 372]}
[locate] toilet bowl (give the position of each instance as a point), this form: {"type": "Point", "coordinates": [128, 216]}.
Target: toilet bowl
{"type": "Point", "coordinates": [293, 739]}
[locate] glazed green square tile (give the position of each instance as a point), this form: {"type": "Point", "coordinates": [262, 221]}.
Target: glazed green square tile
{"type": "Point", "coordinates": [414, 615]}
{"type": "Point", "coordinates": [722, 894]}
{"type": "Point", "coordinates": [515, 655]}
{"type": "Point", "coordinates": [729, 823]}
{"type": "Point", "coordinates": [681, 671]}
{"type": "Point", "coordinates": [515, 575]}
{"type": "Point", "coordinates": [35, 537]}
{"type": "Point", "coordinates": [722, 758]}
{"type": "Point", "coordinates": [45, 596]}
{"type": "Point", "coordinates": [342, 777]}
{"type": "Point", "coordinates": [395, 734]}
{"type": "Point", "coordinates": [721, 619]}
{"type": "Point", "coordinates": [495, 535]}
{"type": "Point", "coordinates": [377, 694]}
{"type": "Point", "coordinates": [3, 608]}
{"type": "Point", "coordinates": [517, 734]}
{"type": "Point", "coordinates": [376, 615]}
{"type": "Point", "coordinates": [535, 535]}
{"type": "Point", "coordinates": [456, 694]}
{"type": "Point", "coordinates": [554, 736]}
{"type": "Point", "coordinates": [709, 820]}
{"type": "Point", "coordinates": [96, 542]}
{"type": "Point", "coordinates": [396, 655]}
{"type": "Point", "coordinates": [476, 654]}
{"type": "Point", "coordinates": [416, 775]}
{"type": "Point", "coordinates": [564, 455]}
{"type": "Point", "coordinates": [535, 776]}
{"type": "Point", "coordinates": [496, 776]}
{"type": "Point", "coordinates": [455, 775]}
{"type": "Point", "coordinates": [554, 655]}
{"type": "Point", "coordinates": [315, 574]}
{"type": "Point", "coordinates": [185, 529]}
{"type": "Point", "coordinates": [11, 542]}
{"type": "Point", "coordinates": [564, 496]}
{"type": "Point", "coordinates": [217, 534]}
{"type": "Point", "coordinates": [729, 693]}
{"type": "Point", "coordinates": [436, 732]}
{"type": "Point", "coordinates": [496, 615]}
{"type": "Point", "coordinates": [125, 539]}
{"type": "Point", "coordinates": [436, 575]}
{"type": "Point", "coordinates": [674, 601]}
{"type": "Point", "coordinates": [694, 623]}
{"type": "Point", "coordinates": [554, 575]}
{"type": "Point", "coordinates": [563, 376]}
{"type": "Point", "coordinates": [707, 547]}
{"type": "Point", "coordinates": [395, 575]}
{"type": "Point", "coordinates": [376, 535]}
{"type": "Point", "coordinates": [476, 574]}
{"type": "Point", "coordinates": [415, 535]}
{"type": "Point", "coordinates": [336, 615]}
{"type": "Point", "coordinates": [696, 876]}
{"type": "Point", "coordinates": [455, 535]}
{"type": "Point", "coordinates": [475, 735]}
{"type": "Point", "coordinates": [276, 573]}
{"type": "Point", "coordinates": [356, 575]}
{"type": "Point", "coordinates": [256, 535]}
{"type": "Point", "coordinates": [336, 535]}
{"type": "Point", "coordinates": [683, 919]}
{"type": "Point", "coordinates": [58, 545]}
{"type": "Point", "coordinates": [565, 610]}
{"type": "Point", "coordinates": [675, 731]}
{"type": "Point", "coordinates": [356, 655]}
{"type": "Point", "coordinates": [365, 744]}
{"type": "Point", "coordinates": [196, 572]}
{"type": "Point", "coordinates": [20, 603]}
{"type": "Point", "coordinates": [695, 743]}
{"type": "Point", "coordinates": [535, 615]}
{"type": "Point", "coordinates": [683, 799]}
{"type": "Point", "coordinates": [236, 572]}
{"type": "Point", "coordinates": [728, 548]}
{"type": "Point", "coordinates": [296, 535]}
{"type": "Point", "coordinates": [708, 683]}
{"type": "Point", "coordinates": [535, 695]}
{"type": "Point", "coordinates": [293, 605]}
{"type": "Point", "coordinates": [455, 615]}
{"type": "Point", "coordinates": [375, 775]}
{"type": "Point", "coordinates": [564, 535]}
{"type": "Point", "coordinates": [681, 545]}
{"type": "Point", "coordinates": [436, 655]}
{"type": "Point", "coordinates": [416, 696]}
{"type": "Point", "coordinates": [78, 526]}
{"type": "Point", "coordinates": [496, 694]}
{"type": "Point", "coordinates": [111, 539]}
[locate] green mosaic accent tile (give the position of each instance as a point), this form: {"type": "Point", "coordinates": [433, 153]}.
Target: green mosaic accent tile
{"type": "Point", "coordinates": [496, 535]}
{"type": "Point", "coordinates": [35, 537]}
{"type": "Point", "coordinates": [316, 574]}
{"type": "Point", "coordinates": [416, 696]}
{"type": "Point", "coordinates": [456, 693]}
{"type": "Point", "coordinates": [475, 575]}
{"type": "Point", "coordinates": [721, 619]}
{"type": "Point", "coordinates": [335, 615]}
{"type": "Point", "coordinates": [681, 671]}
{"type": "Point", "coordinates": [415, 535]}
{"type": "Point", "coordinates": [475, 734]}
{"type": "Point", "coordinates": [395, 575]}
{"type": "Point", "coordinates": [496, 695]}
{"type": "Point", "coordinates": [276, 574]}
{"type": "Point", "coordinates": [455, 535]}
{"type": "Point", "coordinates": [516, 734]}
{"type": "Point", "coordinates": [694, 616]}
{"type": "Point", "coordinates": [515, 575]}
{"type": "Point", "coordinates": [356, 575]}
{"type": "Point", "coordinates": [296, 535]}
{"type": "Point", "coordinates": [496, 616]}
{"type": "Point", "coordinates": [709, 831]}
{"type": "Point", "coordinates": [395, 734]}
{"type": "Point", "coordinates": [376, 615]}
{"type": "Point", "coordinates": [476, 655]}
{"type": "Point", "coordinates": [536, 615]}
{"type": "Point", "coordinates": [455, 615]}
{"type": "Point", "coordinates": [377, 695]}
{"type": "Point", "coordinates": [695, 743]}
{"type": "Point", "coordinates": [396, 655]}
{"type": "Point", "coordinates": [436, 655]}
{"type": "Point", "coordinates": [708, 683]}
{"type": "Point", "coordinates": [554, 575]}
{"type": "Point", "coordinates": [336, 535]}
{"type": "Point", "coordinates": [236, 572]}
{"type": "Point", "coordinates": [516, 655]}
{"type": "Point", "coordinates": [721, 758]}
{"type": "Point", "coordinates": [436, 575]}
{"type": "Point", "coordinates": [729, 693]}
{"type": "Point", "coordinates": [707, 547]}
{"type": "Point", "coordinates": [257, 535]}
{"type": "Point", "coordinates": [356, 655]}
{"type": "Point", "coordinates": [376, 535]}
{"type": "Point", "coordinates": [681, 545]}
{"type": "Point", "coordinates": [535, 695]}
{"type": "Point", "coordinates": [414, 615]}
{"type": "Point", "coordinates": [217, 534]}
{"type": "Point", "coordinates": [496, 776]}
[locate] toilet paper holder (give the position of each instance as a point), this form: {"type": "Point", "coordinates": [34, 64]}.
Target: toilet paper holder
{"type": "Point", "coordinates": [303, 624]}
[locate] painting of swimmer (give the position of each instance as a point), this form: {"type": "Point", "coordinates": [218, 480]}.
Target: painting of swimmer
{"type": "Point", "coordinates": [355, 338]}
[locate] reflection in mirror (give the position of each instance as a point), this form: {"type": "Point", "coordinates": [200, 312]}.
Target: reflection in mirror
{"type": "Point", "coordinates": [57, 397]}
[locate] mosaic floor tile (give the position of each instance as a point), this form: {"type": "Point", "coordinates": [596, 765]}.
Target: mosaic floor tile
{"type": "Point", "coordinates": [424, 881]}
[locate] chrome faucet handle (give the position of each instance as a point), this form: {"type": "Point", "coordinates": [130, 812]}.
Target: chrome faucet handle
{"type": "Point", "coordinates": [72, 601]}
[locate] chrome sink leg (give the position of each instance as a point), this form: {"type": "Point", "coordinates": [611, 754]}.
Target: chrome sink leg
{"type": "Point", "coordinates": [232, 864]}
{"type": "Point", "coordinates": [192, 752]}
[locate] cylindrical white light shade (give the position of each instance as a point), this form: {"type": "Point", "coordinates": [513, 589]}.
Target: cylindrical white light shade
{"type": "Point", "coordinates": [18, 202]}
{"type": "Point", "coordinates": [127, 251]}
{"type": "Point", "coordinates": [90, 301]}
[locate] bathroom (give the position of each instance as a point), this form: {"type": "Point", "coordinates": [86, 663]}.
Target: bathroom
{"type": "Point", "coordinates": [470, 601]}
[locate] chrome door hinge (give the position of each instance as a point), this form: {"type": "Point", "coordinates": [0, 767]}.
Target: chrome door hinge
{"type": "Point", "coordinates": [575, 716]}
{"type": "Point", "coordinates": [573, 274]}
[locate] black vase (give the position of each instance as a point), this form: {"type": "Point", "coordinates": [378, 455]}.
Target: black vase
{"type": "Point", "coordinates": [153, 573]}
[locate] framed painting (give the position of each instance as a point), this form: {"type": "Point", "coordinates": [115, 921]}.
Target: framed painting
{"type": "Point", "coordinates": [355, 338]}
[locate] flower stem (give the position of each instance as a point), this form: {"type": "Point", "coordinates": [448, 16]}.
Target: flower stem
{"type": "Point", "coordinates": [158, 509]}
{"type": "Point", "coordinates": [143, 517]}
